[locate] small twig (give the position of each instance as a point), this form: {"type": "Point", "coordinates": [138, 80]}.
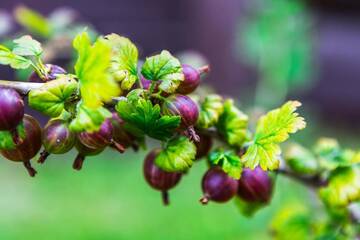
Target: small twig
{"type": "Point", "coordinates": [22, 87]}
{"type": "Point", "coordinates": [310, 181]}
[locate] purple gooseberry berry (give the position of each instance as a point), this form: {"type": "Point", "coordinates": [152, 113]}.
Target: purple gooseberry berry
{"type": "Point", "coordinates": [158, 178]}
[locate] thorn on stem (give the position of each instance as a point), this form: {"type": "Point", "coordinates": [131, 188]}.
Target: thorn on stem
{"type": "Point", "coordinates": [204, 69]}
{"type": "Point", "coordinates": [119, 147]}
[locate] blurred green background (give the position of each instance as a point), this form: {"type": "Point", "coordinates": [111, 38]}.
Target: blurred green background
{"type": "Point", "coordinates": [109, 199]}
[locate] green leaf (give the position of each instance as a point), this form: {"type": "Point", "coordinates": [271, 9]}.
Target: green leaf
{"type": "Point", "coordinates": [124, 60]}
{"type": "Point", "coordinates": [178, 155]}
{"type": "Point", "coordinates": [142, 117]}
{"type": "Point", "coordinates": [7, 140]}
{"type": "Point", "coordinates": [332, 156]}
{"type": "Point", "coordinates": [229, 161]}
{"type": "Point", "coordinates": [343, 187]}
{"type": "Point", "coordinates": [26, 46]}
{"type": "Point", "coordinates": [165, 68]}
{"type": "Point", "coordinates": [292, 222]}
{"type": "Point", "coordinates": [326, 146]}
{"type": "Point", "coordinates": [248, 209]}
{"type": "Point", "coordinates": [273, 129]}
{"type": "Point", "coordinates": [210, 110]}
{"type": "Point", "coordinates": [33, 21]}
{"type": "Point", "coordinates": [96, 84]}
{"type": "Point", "coordinates": [327, 231]}
{"type": "Point", "coordinates": [232, 124]}
{"type": "Point", "coordinates": [300, 160]}
{"type": "Point", "coordinates": [88, 119]}
{"type": "Point", "coordinates": [51, 98]}
{"type": "Point", "coordinates": [9, 58]}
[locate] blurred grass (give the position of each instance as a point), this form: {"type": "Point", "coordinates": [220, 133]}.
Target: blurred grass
{"type": "Point", "coordinates": [109, 199]}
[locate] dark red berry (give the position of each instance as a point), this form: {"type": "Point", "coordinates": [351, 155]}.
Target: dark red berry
{"type": "Point", "coordinates": [11, 109]}
{"type": "Point", "coordinates": [30, 145]}
{"type": "Point", "coordinates": [83, 152]}
{"type": "Point", "coordinates": [51, 73]}
{"type": "Point", "coordinates": [255, 185]}
{"type": "Point", "coordinates": [187, 109]}
{"type": "Point", "coordinates": [120, 135]}
{"type": "Point", "coordinates": [98, 139]}
{"type": "Point", "coordinates": [204, 146]}
{"type": "Point", "coordinates": [101, 138]}
{"type": "Point", "coordinates": [158, 178]}
{"type": "Point", "coordinates": [217, 186]}
{"type": "Point", "coordinates": [57, 139]}
{"type": "Point", "coordinates": [191, 79]}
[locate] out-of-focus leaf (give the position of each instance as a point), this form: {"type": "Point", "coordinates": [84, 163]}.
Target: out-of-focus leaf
{"type": "Point", "coordinates": [33, 21]}
{"type": "Point", "coordinates": [178, 155]}
{"type": "Point", "coordinates": [273, 129]}
{"type": "Point", "coordinates": [15, 61]}
{"type": "Point", "coordinates": [343, 187]}
{"type": "Point", "coordinates": [246, 208]}
{"type": "Point", "coordinates": [210, 110]}
{"type": "Point", "coordinates": [300, 160]}
{"type": "Point", "coordinates": [27, 46]}
{"type": "Point", "coordinates": [292, 222]}
{"type": "Point", "coordinates": [326, 146]}
{"type": "Point", "coordinates": [327, 231]}
{"type": "Point", "coordinates": [332, 156]}
{"type": "Point", "coordinates": [232, 124]}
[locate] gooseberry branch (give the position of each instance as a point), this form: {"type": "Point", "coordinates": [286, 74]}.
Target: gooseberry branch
{"type": "Point", "coordinates": [110, 102]}
{"type": "Point", "coordinates": [25, 87]}
{"type": "Point", "coordinates": [314, 182]}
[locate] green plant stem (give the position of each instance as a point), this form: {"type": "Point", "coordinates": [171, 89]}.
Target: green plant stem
{"type": "Point", "coordinates": [158, 96]}
{"type": "Point", "coordinates": [311, 181]}
{"type": "Point", "coordinates": [152, 87]}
